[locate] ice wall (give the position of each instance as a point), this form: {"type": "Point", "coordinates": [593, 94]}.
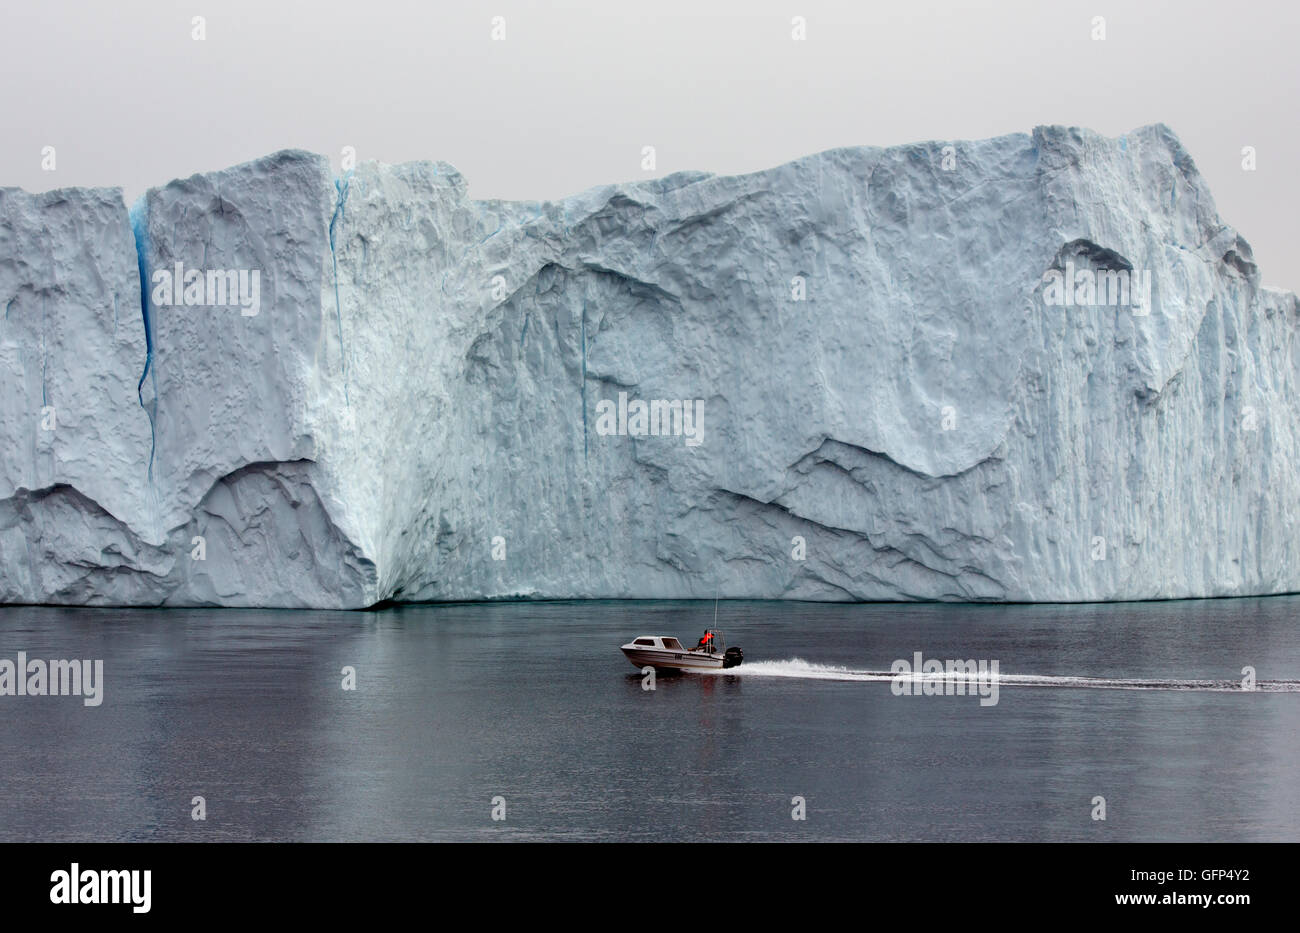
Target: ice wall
{"type": "Point", "coordinates": [893, 403]}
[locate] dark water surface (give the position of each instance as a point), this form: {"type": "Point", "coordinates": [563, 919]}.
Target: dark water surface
{"type": "Point", "coordinates": [533, 702]}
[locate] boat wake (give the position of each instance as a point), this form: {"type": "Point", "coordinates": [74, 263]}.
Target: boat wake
{"type": "Point", "coordinates": [806, 670]}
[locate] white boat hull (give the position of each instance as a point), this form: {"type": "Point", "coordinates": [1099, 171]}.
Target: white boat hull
{"type": "Point", "coordinates": [664, 660]}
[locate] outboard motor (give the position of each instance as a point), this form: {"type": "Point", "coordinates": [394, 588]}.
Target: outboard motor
{"type": "Point", "coordinates": [733, 657]}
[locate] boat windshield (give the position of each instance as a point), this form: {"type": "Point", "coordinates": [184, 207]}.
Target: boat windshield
{"type": "Point", "coordinates": [672, 644]}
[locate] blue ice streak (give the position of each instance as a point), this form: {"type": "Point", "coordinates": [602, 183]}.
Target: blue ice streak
{"type": "Point", "coordinates": [139, 215]}
{"type": "Point", "coordinates": [341, 186]}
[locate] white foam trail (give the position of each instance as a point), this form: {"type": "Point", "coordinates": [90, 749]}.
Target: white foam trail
{"type": "Point", "coordinates": [807, 670]}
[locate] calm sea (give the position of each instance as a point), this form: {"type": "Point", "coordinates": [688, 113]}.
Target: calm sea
{"type": "Point", "coordinates": [528, 711]}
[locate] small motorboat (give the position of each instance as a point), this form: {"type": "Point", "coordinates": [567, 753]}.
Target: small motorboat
{"type": "Point", "coordinates": [665, 653]}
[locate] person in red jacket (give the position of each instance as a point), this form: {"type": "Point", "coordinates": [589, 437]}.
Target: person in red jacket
{"type": "Point", "coordinates": [706, 641]}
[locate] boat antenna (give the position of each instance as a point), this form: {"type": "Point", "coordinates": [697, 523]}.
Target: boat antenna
{"type": "Point", "coordinates": [715, 609]}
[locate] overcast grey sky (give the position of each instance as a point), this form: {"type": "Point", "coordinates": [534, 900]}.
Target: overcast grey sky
{"type": "Point", "coordinates": [577, 88]}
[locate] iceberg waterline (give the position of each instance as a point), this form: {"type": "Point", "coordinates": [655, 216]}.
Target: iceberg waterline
{"type": "Point", "coordinates": [895, 411]}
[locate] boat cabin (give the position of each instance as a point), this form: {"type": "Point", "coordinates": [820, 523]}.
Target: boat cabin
{"type": "Point", "coordinates": [665, 642]}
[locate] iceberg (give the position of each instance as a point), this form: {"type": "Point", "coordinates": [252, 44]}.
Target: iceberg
{"type": "Point", "coordinates": [1032, 368]}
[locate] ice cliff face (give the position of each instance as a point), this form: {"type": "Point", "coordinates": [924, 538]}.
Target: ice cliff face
{"type": "Point", "coordinates": [430, 398]}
